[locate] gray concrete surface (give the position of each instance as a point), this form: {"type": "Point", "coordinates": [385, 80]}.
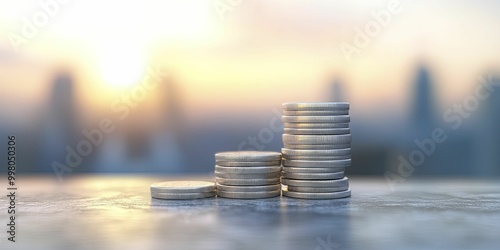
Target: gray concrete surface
{"type": "Point", "coordinates": [116, 212]}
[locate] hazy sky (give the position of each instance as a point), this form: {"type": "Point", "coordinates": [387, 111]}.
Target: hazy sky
{"type": "Point", "coordinates": [260, 54]}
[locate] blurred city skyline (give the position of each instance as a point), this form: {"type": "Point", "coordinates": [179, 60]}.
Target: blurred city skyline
{"type": "Point", "coordinates": [158, 139]}
{"type": "Point", "coordinates": [228, 76]}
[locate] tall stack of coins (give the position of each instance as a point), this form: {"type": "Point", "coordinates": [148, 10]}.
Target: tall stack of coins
{"type": "Point", "coordinates": [248, 174]}
{"type": "Point", "coordinates": [317, 149]}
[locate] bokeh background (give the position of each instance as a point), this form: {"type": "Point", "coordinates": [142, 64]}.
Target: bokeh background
{"type": "Point", "coordinates": [65, 66]}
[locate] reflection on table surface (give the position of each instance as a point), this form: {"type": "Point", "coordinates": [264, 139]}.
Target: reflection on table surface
{"type": "Point", "coordinates": [116, 212]}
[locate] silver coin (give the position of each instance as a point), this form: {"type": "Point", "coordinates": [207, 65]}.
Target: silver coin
{"type": "Point", "coordinates": [182, 196]}
{"type": "Point", "coordinates": [315, 112]}
{"type": "Point", "coordinates": [312, 170]}
{"type": "Point", "coordinates": [314, 119]}
{"type": "Point", "coordinates": [316, 183]}
{"type": "Point", "coordinates": [314, 176]}
{"type": "Point", "coordinates": [247, 182]}
{"type": "Point", "coordinates": [316, 190]}
{"type": "Point", "coordinates": [317, 196]}
{"type": "Point", "coordinates": [247, 176]}
{"type": "Point", "coordinates": [249, 170]}
{"type": "Point", "coordinates": [247, 163]}
{"type": "Point", "coordinates": [182, 187]}
{"type": "Point", "coordinates": [306, 131]}
{"type": "Point", "coordinates": [316, 139]}
{"type": "Point", "coordinates": [316, 158]}
{"type": "Point", "coordinates": [316, 125]}
{"type": "Point", "coordinates": [249, 195]}
{"type": "Point", "coordinates": [248, 156]}
{"type": "Point", "coordinates": [305, 152]}
{"type": "Point", "coordinates": [264, 188]}
{"type": "Point", "coordinates": [317, 164]}
{"type": "Point", "coordinates": [315, 106]}
{"type": "Point", "coordinates": [317, 146]}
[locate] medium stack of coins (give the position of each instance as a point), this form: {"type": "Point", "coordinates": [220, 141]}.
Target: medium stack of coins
{"type": "Point", "coordinates": [317, 149]}
{"type": "Point", "coordinates": [248, 174]}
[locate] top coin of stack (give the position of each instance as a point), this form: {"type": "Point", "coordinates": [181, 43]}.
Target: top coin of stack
{"type": "Point", "coordinates": [248, 174]}
{"type": "Point", "coordinates": [317, 149]}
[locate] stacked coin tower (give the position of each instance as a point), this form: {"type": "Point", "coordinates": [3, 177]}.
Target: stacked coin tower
{"type": "Point", "coordinates": [248, 174]}
{"type": "Point", "coordinates": [317, 149]}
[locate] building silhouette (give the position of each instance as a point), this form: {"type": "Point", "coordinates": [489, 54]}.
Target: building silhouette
{"type": "Point", "coordinates": [171, 142]}
{"type": "Point", "coordinates": [450, 158]}
{"type": "Point", "coordinates": [59, 123]}
{"type": "Point", "coordinates": [423, 114]}
{"type": "Point", "coordinates": [487, 143]}
{"type": "Point", "coordinates": [337, 92]}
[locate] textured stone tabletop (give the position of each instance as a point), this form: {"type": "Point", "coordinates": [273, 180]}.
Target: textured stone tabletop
{"type": "Point", "coordinates": [116, 212]}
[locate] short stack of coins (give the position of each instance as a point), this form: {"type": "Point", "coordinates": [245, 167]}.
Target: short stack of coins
{"type": "Point", "coordinates": [248, 174]}
{"type": "Point", "coordinates": [317, 149]}
{"type": "Point", "coordinates": [182, 190]}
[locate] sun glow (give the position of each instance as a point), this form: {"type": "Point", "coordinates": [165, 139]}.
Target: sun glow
{"type": "Point", "coordinates": [121, 64]}
{"type": "Point", "coordinates": [121, 43]}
